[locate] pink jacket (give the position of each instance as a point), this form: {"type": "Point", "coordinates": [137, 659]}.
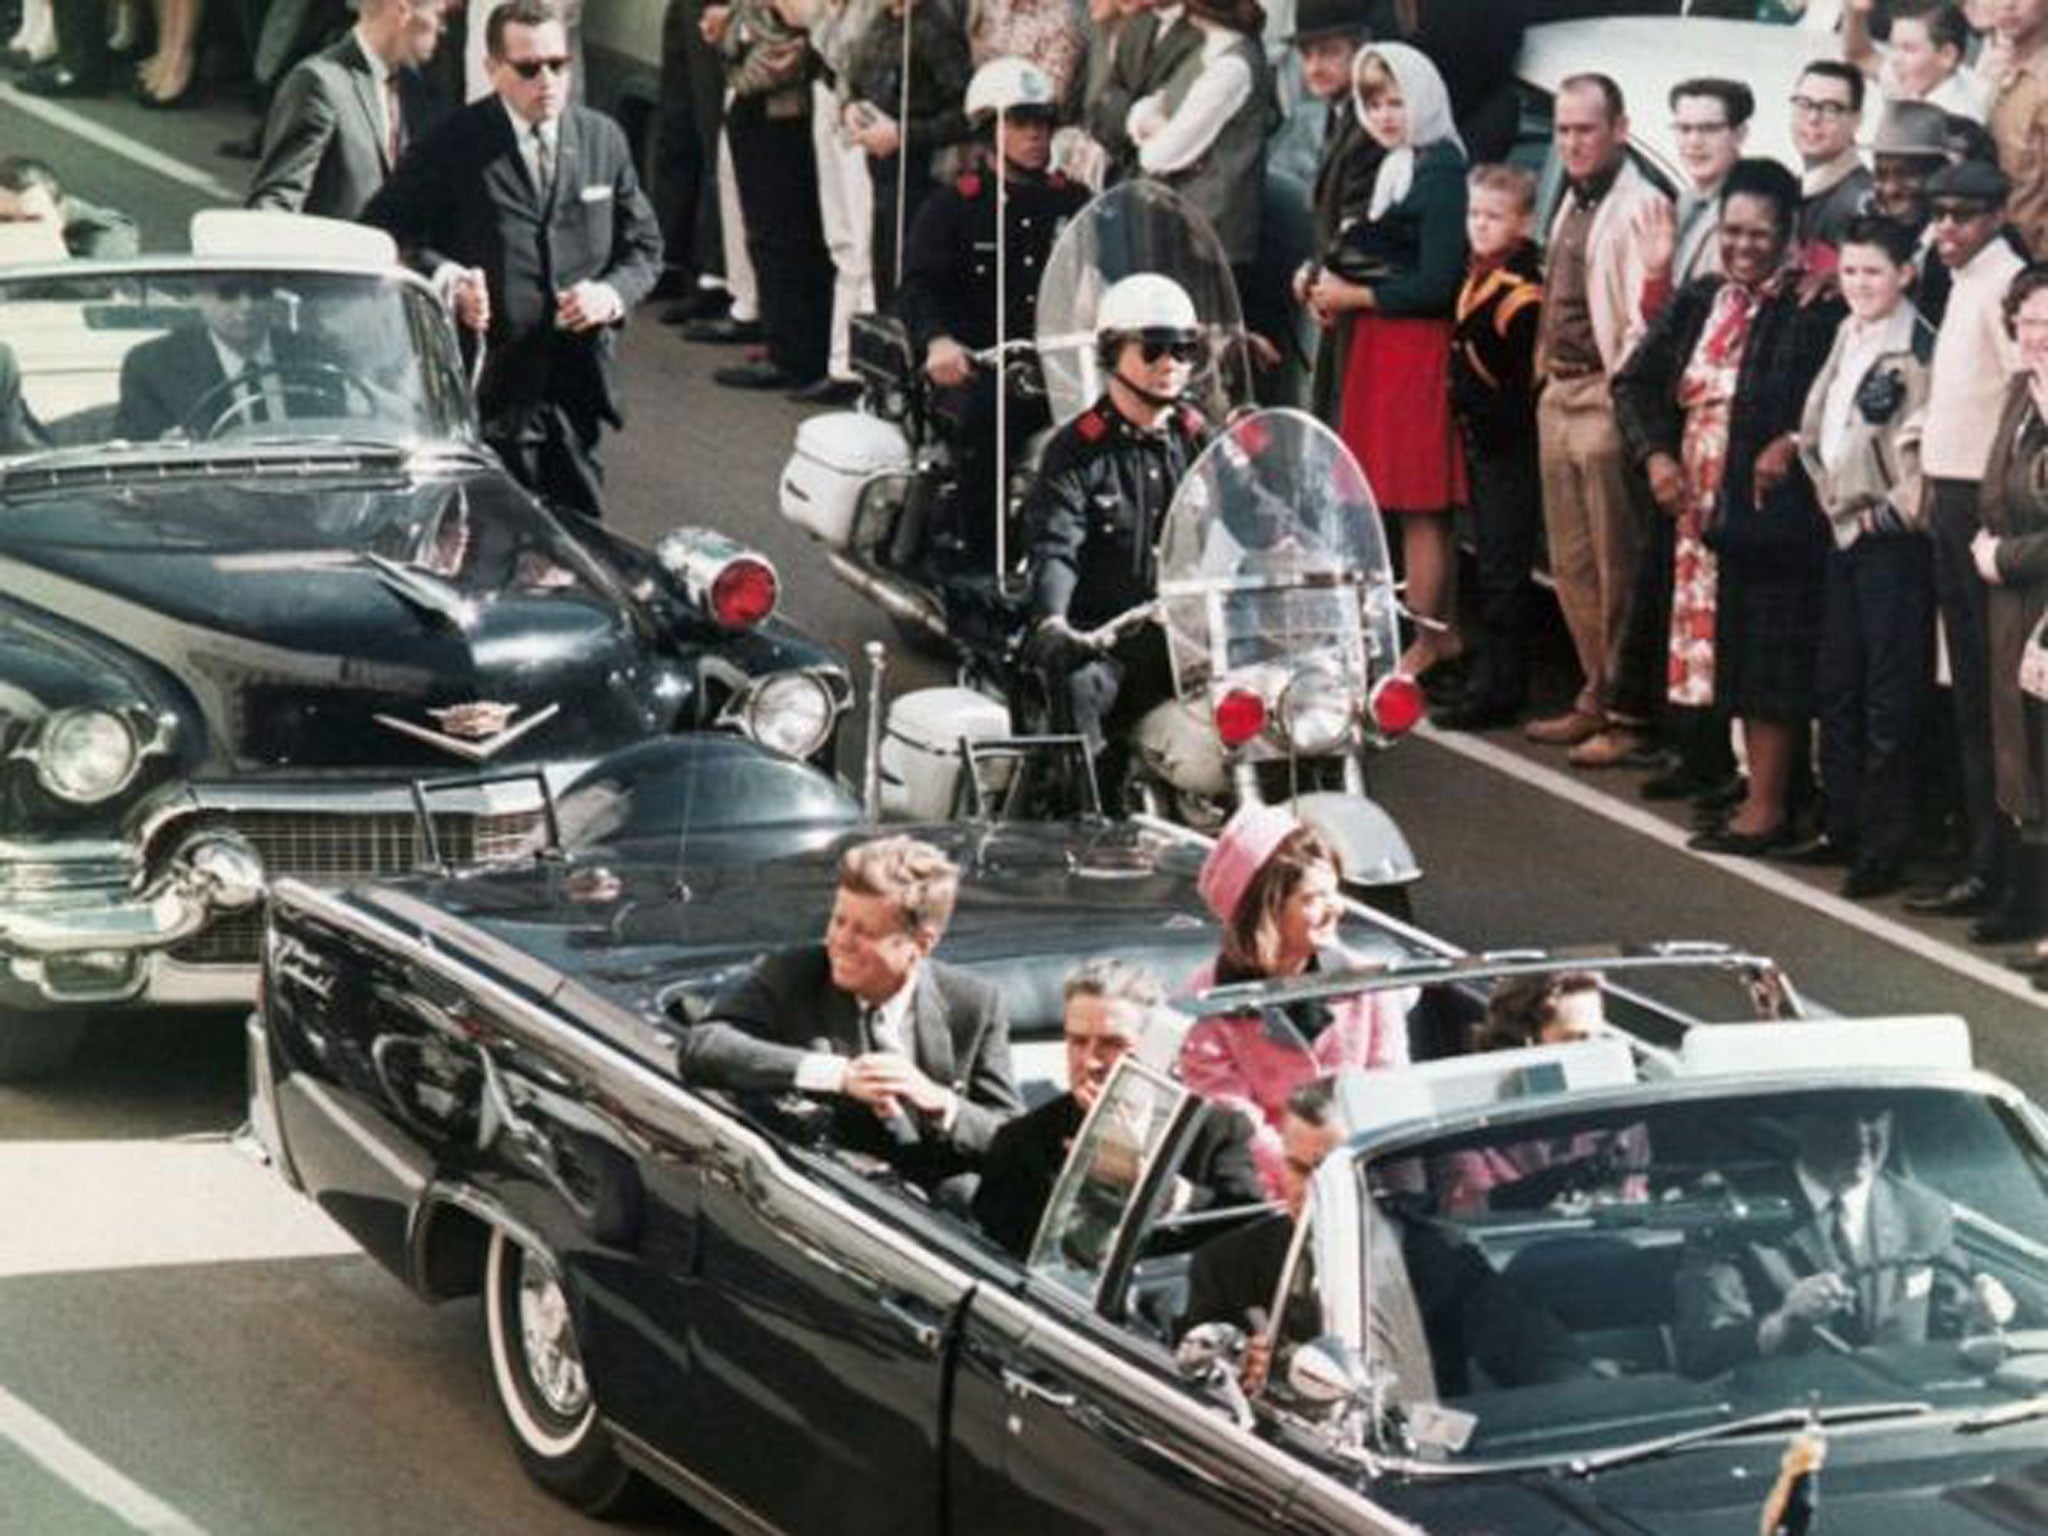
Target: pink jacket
{"type": "Point", "coordinates": [1235, 1061]}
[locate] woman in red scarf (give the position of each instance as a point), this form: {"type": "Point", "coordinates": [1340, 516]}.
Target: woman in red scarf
{"type": "Point", "coordinates": [1709, 408]}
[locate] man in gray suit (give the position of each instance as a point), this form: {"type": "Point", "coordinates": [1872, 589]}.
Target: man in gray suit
{"type": "Point", "coordinates": [344, 116]}
{"type": "Point", "coordinates": [916, 1053]}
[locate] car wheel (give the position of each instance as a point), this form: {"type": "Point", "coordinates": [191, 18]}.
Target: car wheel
{"type": "Point", "coordinates": [537, 1369]}
{"type": "Point", "coordinates": [34, 1045]}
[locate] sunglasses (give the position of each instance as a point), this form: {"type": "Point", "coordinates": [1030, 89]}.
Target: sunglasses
{"type": "Point", "coordinates": [1178, 345]}
{"type": "Point", "coordinates": [530, 69]}
{"type": "Point", "coordinates": [1955, 213]}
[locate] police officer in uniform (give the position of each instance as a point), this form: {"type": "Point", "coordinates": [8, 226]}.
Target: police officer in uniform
{"type": "Point", "coordinates": [1093, 518]}
{"type": "Point", "coordinates": [948, 298]}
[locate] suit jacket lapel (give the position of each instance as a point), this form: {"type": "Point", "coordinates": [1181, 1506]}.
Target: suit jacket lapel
{"type": "Point", "coordinates": [932, 1024]}
{"type": "Point", "coordinates": [510, 183]}
{"type": "Point", "coordinates": [364, 79]}
{"type": "Point", "coordinates": [566, 173]}
{"type": "Point", "coordinates": [1886, 1239]}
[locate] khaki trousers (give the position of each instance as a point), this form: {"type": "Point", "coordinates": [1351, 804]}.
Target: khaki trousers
{"type": "Point", "coordinates": [1592, 527]}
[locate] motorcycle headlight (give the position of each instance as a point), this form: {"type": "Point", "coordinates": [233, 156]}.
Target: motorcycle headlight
{"type": "Point", "coordinates": [791, 712]}
{"type": "Point", "coordinates": [86, 755]}
{"type": "Point", "coordinates": [1317, 712]}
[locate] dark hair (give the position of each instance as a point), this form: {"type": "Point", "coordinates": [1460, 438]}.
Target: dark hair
{"type": "Point", "coordinates": [1315, 1102]}
{"type": "Point", "coordinates": [1835, 69]}
{"type": "Point", "coordinates": [2027, 282]}
{"type": "Point", "coordinates": [1253, 929]}
{"type": "Point", "coordinates": [1519, 1006]}
{"type": "Point", "coordinates": [1593, 80]}
{"type": "Point", "coordinates": [23, 173]}
{"type": "Point", "coordinates": [1770, 181]}
{"type": "Point", "coordinates": [1736, 99]}
{"type": "Point", "coordinates": [1890, 236]}
{"type": "Point", "coordinates": [1964, 138]}
{"type": "Point", "coordinates": [1946, 25]}
{"type": "Point", "coordinates": [517, 13]}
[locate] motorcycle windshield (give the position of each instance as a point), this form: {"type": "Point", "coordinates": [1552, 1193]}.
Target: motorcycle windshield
{"type": "Point", "coordinates": [1137, 226]}
{"type": "Point", "coordinates": [1274, 559]}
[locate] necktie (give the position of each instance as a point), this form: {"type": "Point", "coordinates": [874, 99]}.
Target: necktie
{"type": "Point", "coordinates": [882, 1034]}
{"type": "Point", "coordinates": [1839, 1234]}
{"type": "Point", "coordinates": [543, 163]}
{"type": "Point", "coordinates": [394, 121]}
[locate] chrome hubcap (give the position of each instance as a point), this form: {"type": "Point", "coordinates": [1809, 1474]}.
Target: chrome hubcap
{"type": "Point", "coordinates": [548, 1340]}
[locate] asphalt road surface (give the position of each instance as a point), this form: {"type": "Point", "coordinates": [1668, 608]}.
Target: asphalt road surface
{"type": "Point", "coordinates": [185, 1348]}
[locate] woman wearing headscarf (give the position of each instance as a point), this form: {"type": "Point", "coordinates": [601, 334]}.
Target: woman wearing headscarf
{"type": "Point", "coordinates": [1273, 883]}
{"type": "Point", "coordinates": [1709, 407]}
{"type": "Point", "coordinates": [1396, 273]}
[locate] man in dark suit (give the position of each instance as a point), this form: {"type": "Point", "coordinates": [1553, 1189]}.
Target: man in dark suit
{"type": "Point", "coordinates": [916, 1053]}
{"type": "Point", "coordinates": [528, 213]}
{"type": "Point", "coordinates": [179, 378]}
{"type": "Point", "coordinates": [343, 117]}
{"type": "Point", "coordinates": [31, 194]}
{"type": "Point", "coordinates": [1870, 1261]}
{"type": "Point", "coordinates": [1104, 1011]}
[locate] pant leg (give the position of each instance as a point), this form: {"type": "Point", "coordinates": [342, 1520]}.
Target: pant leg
{"type": "Point", "coordinates": [740, 281]}
{"type": "Point", "coordinates": [1615, 526]}
{"type": "Point", "coordinates": [82, 36]}
{"type": "Point", "coordinates": [1507, 512]}
{"type": "Point", "coordinates": [1959, 594]}
{"type": "Point", "coordinates": [778, 186]}
{"type": "Point", "coordinates": [1896, 610]}
{"type": "Point", "coordinates": [845, 216]}
{"type": "Point", "coordinates": [571, 475]}
{"type": "Point", "coordinates": [676, 184]}
{"type": "Point", "coordinates": [1839, 702]}
{"type": "Point", "coordinates": [1642, 677]}
{"type": "Point", "coordinates": [1568, 532]}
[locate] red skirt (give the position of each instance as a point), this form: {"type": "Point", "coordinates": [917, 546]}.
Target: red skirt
{"type": "Point", "coordinates": [1396, 415]}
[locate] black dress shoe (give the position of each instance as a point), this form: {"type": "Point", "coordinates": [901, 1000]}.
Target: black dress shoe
{"type": "Point", "coordinates": [1867, 882]}
{"type": "Point", "coordinates": [826, 391]}
{"type": "Point", "coordinates": [1723, 796]}
{"type": "Point", "coordinates": [1960, 899]}
{"type": "Point", "coordinates": [2006, 926]}
{"type": "Point", "coordinates": [756, 376]}
{"type": "Point", "coordinates": [61, 80]}
{"type": "Point", "coordinates": [1476, 715]}
{"type": "Point", "coordinates": [1817, 852]}
{"type": "Point", "coordinates": [703, 304]}
{"type": "Point", "coordinates": [723, 332]}
{"type": "Point", "coordinates": [1742, 845]}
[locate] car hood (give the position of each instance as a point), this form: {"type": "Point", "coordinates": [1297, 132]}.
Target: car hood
{"type": "Point", "coordinates": [294, 612]}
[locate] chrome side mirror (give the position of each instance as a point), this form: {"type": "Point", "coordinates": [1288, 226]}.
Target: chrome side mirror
{"type": "Point", "coordinates": [1208, 1345]}
{"type": "Point", "coordinates": [1326, 1372]}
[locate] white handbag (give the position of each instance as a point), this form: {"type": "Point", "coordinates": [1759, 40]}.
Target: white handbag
{"type": "Point", "coordinates": [2034, 662]}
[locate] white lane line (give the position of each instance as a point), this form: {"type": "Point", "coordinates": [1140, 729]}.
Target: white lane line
{"type": "Point", "coordinates": [63, 1457]}
{"type": "Point", "coordinates": [116, 143]}
{"type": "Point", "coordinates": [76, 1206]}
{"type": "Point", "coordinates": [1757, 872]}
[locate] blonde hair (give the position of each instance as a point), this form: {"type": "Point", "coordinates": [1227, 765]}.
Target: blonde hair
{"type": "Point", "coordinates": [918, 878]}
{"type": "Point", "coordinates": [1510, 181]}
{"type": "Point", "coordinates": [1252, 935]}
{"type": "Point", "coordinates": [1372, 77]}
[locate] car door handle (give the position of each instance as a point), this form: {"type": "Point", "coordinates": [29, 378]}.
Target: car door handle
{"type": "Point", "coordinates": [1026, 1388]}
{"type": "Point", "coordinates": [924, 1326]}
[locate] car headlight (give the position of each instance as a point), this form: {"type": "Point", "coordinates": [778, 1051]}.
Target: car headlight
{"type": "Point", "coordinates": [1317, 712]}
{"type": "Point", "coordinates": [86, 755]}
{"type": "Point", "coordinates": [791, 712]}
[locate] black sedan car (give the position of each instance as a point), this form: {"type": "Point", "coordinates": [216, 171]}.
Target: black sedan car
{"type": "Point", "coordinates": [477, 1078]}
{"type": "Point", "coordinates": [258, 577]}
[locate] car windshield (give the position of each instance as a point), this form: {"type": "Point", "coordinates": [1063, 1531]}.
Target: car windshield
{"type": "Point", "coordinates": [185, 360]}
{"type": "Point", "coordinates": [1584, 1282]}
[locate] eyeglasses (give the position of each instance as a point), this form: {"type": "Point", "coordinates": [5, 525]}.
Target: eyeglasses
{"type": "Point", "coordinates": [1812, 106]}
{"type": "Point", "coordinates": [1957, 213]}
{"type": "Point", "coordinates": [1178, 345]}
{"type": "Point", "coordinates": [530, 69]}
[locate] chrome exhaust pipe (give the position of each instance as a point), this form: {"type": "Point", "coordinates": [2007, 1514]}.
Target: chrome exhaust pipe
{"type": "Point", "coordinates": [898, 602]}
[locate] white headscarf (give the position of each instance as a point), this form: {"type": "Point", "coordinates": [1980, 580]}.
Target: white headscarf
{"type": "Point", "coordinates": [1429, 117]}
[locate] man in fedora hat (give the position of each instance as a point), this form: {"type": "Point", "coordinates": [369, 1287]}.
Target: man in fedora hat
{"type": "Point", "coordinates": [1910, 145]}
{"type": "Point", "coordinates": [1327, 35]}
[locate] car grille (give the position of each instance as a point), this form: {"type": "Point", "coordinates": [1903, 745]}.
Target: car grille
{"type": "Point", "coordinates": [331, 848]}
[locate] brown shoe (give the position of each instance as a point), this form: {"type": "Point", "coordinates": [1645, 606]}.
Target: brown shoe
{"type": "Point", "coordinates": [1609, 749]}
{"type": "Point", "coordinates": [1565, 730]}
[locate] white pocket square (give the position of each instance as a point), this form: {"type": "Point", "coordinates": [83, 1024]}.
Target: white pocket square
{"type": "Point", "coordinates": [596, 194]}
{"type": "Point", "coordinates": [1919, 1281]}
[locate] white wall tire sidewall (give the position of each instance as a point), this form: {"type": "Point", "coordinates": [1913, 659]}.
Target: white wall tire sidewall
{"type": "Point", "coordinates": [508, 1369]}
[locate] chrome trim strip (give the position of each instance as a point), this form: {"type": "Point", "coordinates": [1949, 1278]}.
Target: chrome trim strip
{"type": "Point", "coordinates": [667, 1095]}
{"type": "Point", "coordinates": [352, 1126]}
{"type": "Point", "coordinates": [687, 1485]}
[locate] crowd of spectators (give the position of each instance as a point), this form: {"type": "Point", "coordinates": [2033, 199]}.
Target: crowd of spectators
{"type": "Point", "coordinates": [1780, 438]}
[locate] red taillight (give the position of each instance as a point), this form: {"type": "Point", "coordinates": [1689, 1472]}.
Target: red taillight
{"type": "Point", "coordinates": [743, 594]}
{"type": "Point", "coordinates": [1240, 715]}
{"type": "Point", "coordinates": [1398, 704]}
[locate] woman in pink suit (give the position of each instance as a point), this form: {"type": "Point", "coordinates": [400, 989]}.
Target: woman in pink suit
{"type": "Point", "coordinates": [1273, 883]}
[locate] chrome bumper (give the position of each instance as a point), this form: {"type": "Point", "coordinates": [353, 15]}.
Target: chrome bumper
{"type": "Point", "coordinates": [263, 1117]}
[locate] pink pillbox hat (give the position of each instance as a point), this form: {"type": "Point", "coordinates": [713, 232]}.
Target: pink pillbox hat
{"type": "Point", "coordinates": [1248, 840]}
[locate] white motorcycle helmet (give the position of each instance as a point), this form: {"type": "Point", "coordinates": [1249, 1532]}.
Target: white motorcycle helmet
{"type": "Point", "coordinates": [1145, 306]}
{"type": "Point", "coordinates": [1008, 85]}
